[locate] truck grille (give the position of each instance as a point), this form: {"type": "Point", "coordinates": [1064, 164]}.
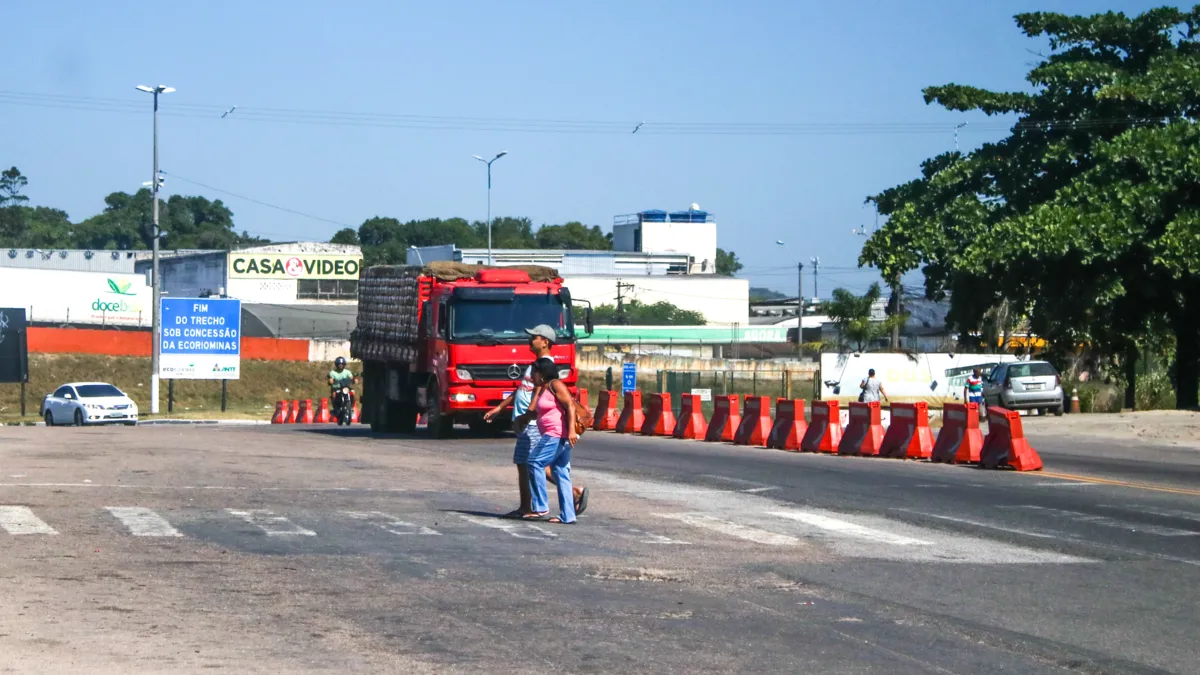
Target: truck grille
{"type": "Point", "coordinates": [499, 373]}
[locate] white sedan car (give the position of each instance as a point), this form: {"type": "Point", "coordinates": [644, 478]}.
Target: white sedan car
{"type": "Point", "coordinates": [81, 403]}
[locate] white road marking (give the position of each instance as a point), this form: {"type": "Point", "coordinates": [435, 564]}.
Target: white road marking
{"type": "Point", "coordinates": [1166, 513]}
{"type": "Point", "coordinates": [735, 511]}
{"type": "Point", "coordinates": [271, 524]}
{"type": "Point", "coordinates": [142, 522]}
{"type": "Point", "coordinates": [391, 523]}
{"type": "Point", "coordinates": [514, 527]}
{"type": "Point", "coordinates": [977, 523]}
{"type": "Point", "coordinates": [733, 529]}
{"type": "Point", "coordinates": [650, 538]}
{"type": "Point", "coordinates": [1063, 483]}
{"type": "Point", "coordinates": [1105, 521]}
{"type": "Point", "coordinates": [761, 489]}
{"type": "Point", "coordinates": [21, 520]}
{"type": "Point", "coordinates": [847, 528]}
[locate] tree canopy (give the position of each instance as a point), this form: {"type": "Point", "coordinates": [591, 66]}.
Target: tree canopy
{"type": "Point", "coordinates": [1085, 219]}
{"type": "Point", "coordinates": [386, 240]}
{"type": "Point", "coordinates": [635, 313]}
{"type": "Point", "coordinates": [727, 263]}
{"type": "Point", "coordinates": [851, 315]}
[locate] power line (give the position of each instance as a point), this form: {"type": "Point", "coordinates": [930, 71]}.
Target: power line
{"type": "Point", "coordinates": [258, 201]}
{"type": "Point", "coordinates": [462, 123]}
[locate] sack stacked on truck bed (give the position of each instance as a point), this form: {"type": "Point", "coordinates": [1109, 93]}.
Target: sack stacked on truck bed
{"type": "Point", "coordinates": [388, 302]}
{"type": "Point", "coordinates": [387, 314]}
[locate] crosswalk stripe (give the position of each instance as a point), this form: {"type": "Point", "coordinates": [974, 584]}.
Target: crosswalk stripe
{"type": "Point", "coordinates": [391, 523]}
{"type": "Point", "coordinates": [847, 528]}
{"type": "Point", "coordinates": [515, 528]}
{"type": "Point", "coordinates": [733, 529]}
{"type": "Point", "coordinates": [142, 522]}
{"type": "Point", "coordinates": [271, 524]}
{"type": "Point", "coordinates": [21, 520]}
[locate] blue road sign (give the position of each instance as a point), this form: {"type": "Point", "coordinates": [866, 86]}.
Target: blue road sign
{"type": "Point", "coordinates": [628, 377]}
{"type": "Point", "coordinates": [201, 339]}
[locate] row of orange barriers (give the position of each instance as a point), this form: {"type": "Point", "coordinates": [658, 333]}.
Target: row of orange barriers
{"type": "Point", "coordinates": [908, 436]}
{"type": "Point", "coordinates": [301, 412]}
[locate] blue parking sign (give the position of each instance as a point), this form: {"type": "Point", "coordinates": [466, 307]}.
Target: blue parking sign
{"type": "Point", "coordinates": [628, 377]}
{"type": "Point", "coordinates": [201, 338]}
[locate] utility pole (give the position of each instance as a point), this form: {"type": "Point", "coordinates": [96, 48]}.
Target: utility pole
{"type": "Point", "coordinates": [621, 321]}
{"type": "Point", "coordinates": [156, 320]}
{"type": "Point", "coordinates": [816, 263]}
{"type": "Point", "coordinates": [896, 314]}
{"type": "Point", "coordinates": [799, 310]}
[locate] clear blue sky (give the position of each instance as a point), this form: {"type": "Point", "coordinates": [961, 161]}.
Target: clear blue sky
{"type": "Point", "coordinates": [662, 62]}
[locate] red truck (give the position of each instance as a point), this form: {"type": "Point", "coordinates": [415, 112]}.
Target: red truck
{"type": "Point", "coordinates": [448, 340]}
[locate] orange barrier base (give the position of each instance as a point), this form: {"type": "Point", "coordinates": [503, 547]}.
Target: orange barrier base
{"type": "Point", "coordinates": [293, 412]}
{"type": "Point", "coordinates": [660, 420]}
{"type": "Point", "coordinates": [280, 416]}
{"type": "Point", "coordinates": [726, 419]}
{"type": "Point", "coordinates": [1006, 444]}
{"type": "Point", "coordinates": [323, 416]}
{"type": "Point", "coordinates": [961, 440]}
{"type": "Point", "coordinates": [691, 423]}
{"type": "Point", "coordinates": [756, 422]}
{"type": "Point", "coordinates": [825, 431]}
{"type": "Point", "coordinates": [632, 418]}
{"type": "Point", "coordinates": [864, 432]}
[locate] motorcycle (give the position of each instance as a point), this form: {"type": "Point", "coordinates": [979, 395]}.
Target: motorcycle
{"type": "Point", "coordinates": [343, 405]}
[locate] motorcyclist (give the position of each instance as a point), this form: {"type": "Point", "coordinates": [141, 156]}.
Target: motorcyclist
{"type": "Point", "coordinates": [340, 377]}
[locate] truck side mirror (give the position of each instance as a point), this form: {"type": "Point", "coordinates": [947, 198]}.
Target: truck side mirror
{"type": "Point", "coordinates": [587, 321]}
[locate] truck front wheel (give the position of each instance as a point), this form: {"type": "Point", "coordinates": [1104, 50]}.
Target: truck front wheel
{"type": "Point", "coordinates": [440, 425]}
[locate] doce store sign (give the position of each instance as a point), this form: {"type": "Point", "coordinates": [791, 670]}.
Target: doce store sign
{"type": "Point", "coordinates": [294, 266]}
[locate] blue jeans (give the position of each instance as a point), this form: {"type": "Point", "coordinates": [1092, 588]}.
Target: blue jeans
{"type": "Point", "coordinates": [556, 453]}
{"type": "Point", "coordinates": [527, 438]}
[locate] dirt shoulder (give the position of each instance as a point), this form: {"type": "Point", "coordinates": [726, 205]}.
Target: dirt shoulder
{"type": "Point", "coordinates": [1179, 428]}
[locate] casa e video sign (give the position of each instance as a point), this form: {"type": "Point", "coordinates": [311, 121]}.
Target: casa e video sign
{"type": "Point", "coordinates": [294, 266]}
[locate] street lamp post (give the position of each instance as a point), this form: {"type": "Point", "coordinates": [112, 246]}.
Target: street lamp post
{"type": "Point", "coordinates": [489, 197]}
{"type": "Point", "coordinates": [799, 300]}
{"type": "Point", "coordinates": [156, 320]}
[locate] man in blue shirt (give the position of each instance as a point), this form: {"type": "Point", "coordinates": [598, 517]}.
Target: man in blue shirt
{"type": "Point", "coordinates": [541, 339]}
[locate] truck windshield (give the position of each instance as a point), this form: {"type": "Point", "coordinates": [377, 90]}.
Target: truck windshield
{"type": "Point", "coordinates": [507, 321]}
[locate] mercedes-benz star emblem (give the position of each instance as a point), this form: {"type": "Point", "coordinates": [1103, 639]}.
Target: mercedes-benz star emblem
{"type": "Point", "coordinates": [514, 371]}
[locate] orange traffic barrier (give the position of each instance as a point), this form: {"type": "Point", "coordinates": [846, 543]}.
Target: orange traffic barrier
{"type": "Point", "coordinates": [756, 422]}
{"type": "Point", "coordinates": [864, 431]}
{"type": "Point", "coordinates": [660, 419]}
{"type": "Point", "coordinates": [1006, 444]}
{"type": "Point", "coordinates": [606, 414]}
{"type": "Point", "coordinates": [280, 416]}
{"type": "Point", "coordinates": [824, 433]}
{"type": "Point", "coordinates": [306, 414]}
{"type": "Point", "coordinates": [293, 412]}
{"type": "Point", "coordinates": [632, 418]}
{"type": "Point", "coordinates": [960, 440]}
{"type": "Point", "coordinates": [354, 414]}
{"type": "Point", "coordinates": [323, 414]}
{"type": "Point", "coordinates": [789, 426]}
{"type": "Point", "coordinates": [725, 419]}
{"type": "Point", "coordinates": [909, 435]}
{"type": "Point", "coordinates": [691, 424]}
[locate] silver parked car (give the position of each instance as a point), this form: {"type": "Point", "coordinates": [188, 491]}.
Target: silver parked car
{"type": "Point", "coordinates": [80, 403]}
{"type": "Point", "coordinates": [1024, 385]}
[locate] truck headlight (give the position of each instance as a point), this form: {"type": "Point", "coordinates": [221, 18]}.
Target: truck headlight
{"type": "Point", "coordinates": [462, 398]}
{"type": "Point", "coordinates": [462, 373]}
{"type": "Point", "coordinates": [564, 373]}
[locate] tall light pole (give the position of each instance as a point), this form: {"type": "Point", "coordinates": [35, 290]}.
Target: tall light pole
{"type": "Point", "coordinates": [156, 320]}
{"type": "Point", "coordinates": [799, 300]}
{"type": "Point", "coordinates": [489, 208]}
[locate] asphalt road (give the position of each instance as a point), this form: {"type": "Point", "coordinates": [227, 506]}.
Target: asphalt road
{"type": "Point", "coordinates": [290, 549]}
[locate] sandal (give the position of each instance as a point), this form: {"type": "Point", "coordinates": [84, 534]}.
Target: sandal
{"type": "Point", "coordinates": [581, 505]}
{"type": "Point", "coordinates": [515, 513]}
{"type": "Point", "coordinates": [536, 517]}
{"type": "Point", "coordinates": [559, 521]}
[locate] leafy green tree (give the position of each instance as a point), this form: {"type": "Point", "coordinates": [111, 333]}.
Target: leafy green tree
{"type": "Point", "coordinates": [635, 313]}
{"type": "Point", "coordinates": [727, 263]}
{"type": "Point", "coordinates": [852, 315]}
{"type": "Point", "coordinates": [506, 233]}
{"type": "Point", "coordinates": [1085, 219]}
{"type": "Point", "coordinates": [760, 294]}
{"type": "Point", "coordinates": [345, 235]}
{"type": "Point", "coordinates": [573, 236]}
{"type": "Point", "coordinates": [11, 184]}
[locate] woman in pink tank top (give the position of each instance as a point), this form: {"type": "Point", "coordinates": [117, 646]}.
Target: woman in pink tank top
{"type": "Point", "coordinates": [552, 405]}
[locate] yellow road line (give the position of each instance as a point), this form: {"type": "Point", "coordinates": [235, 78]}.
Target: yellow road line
{"type": "Point", "coordinates": [1119, 483]}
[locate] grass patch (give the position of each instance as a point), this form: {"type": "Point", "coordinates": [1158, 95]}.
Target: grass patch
{"type": "Point", "coordinates": [252, 397]}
